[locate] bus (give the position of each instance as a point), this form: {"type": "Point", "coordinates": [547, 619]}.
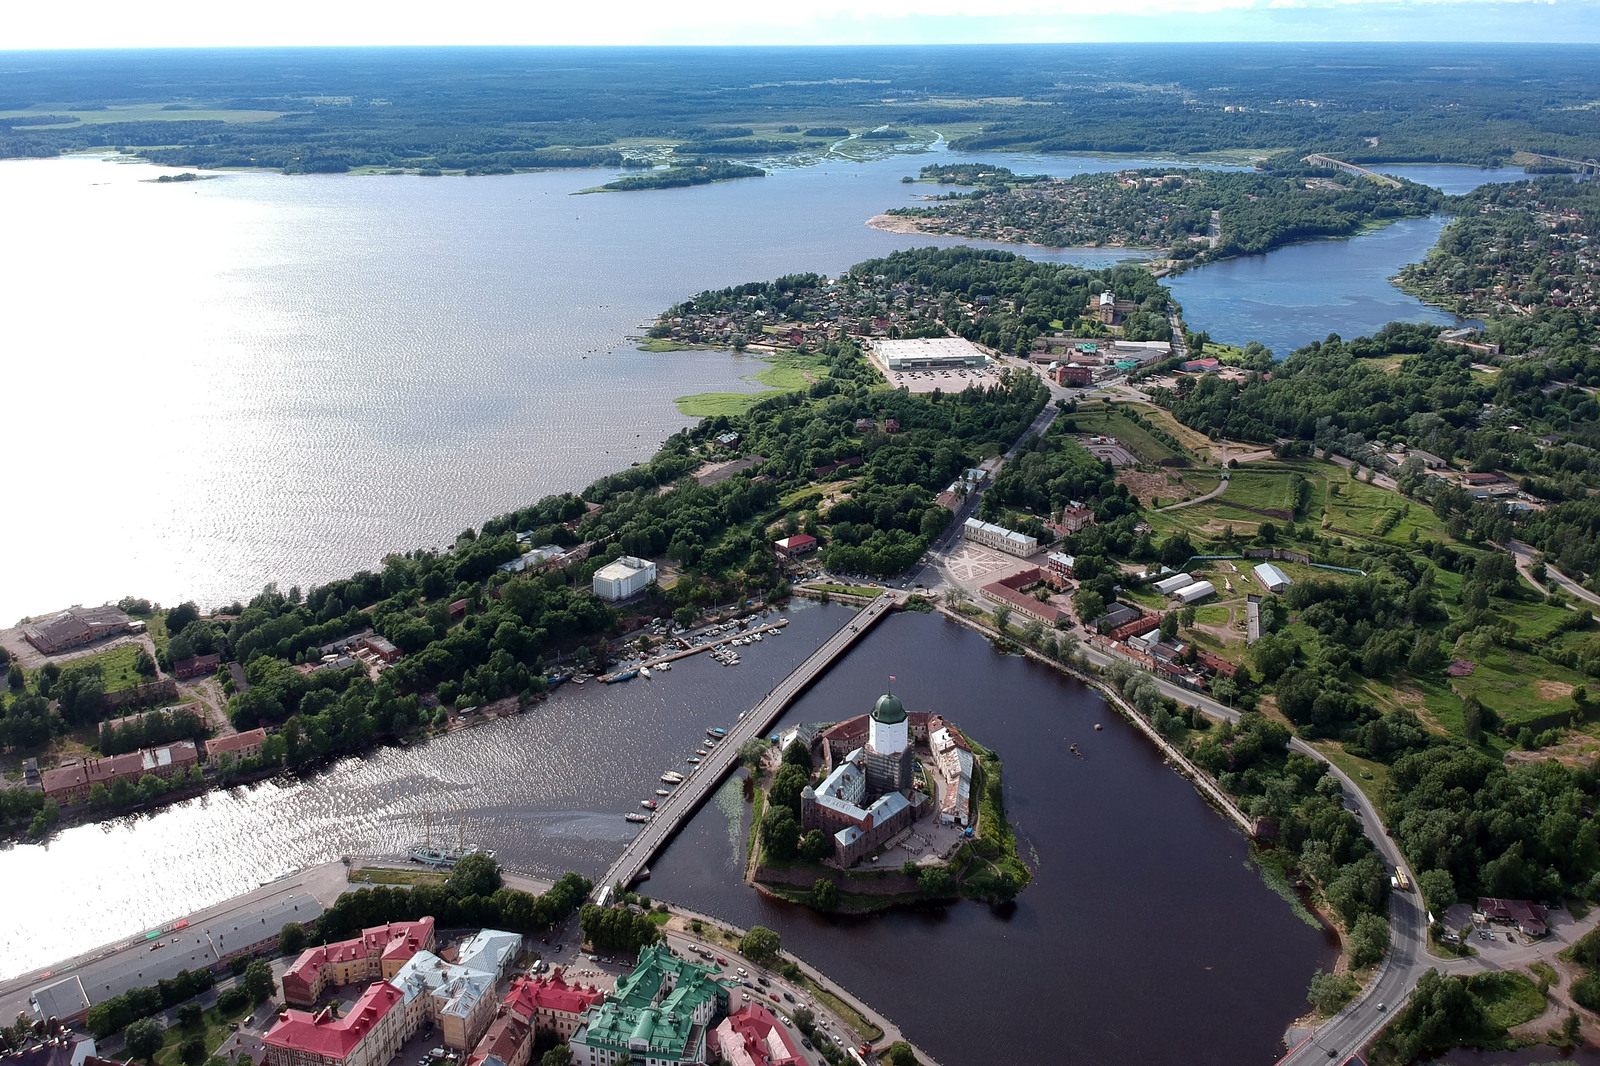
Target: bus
{"type": "Point", "coordinates": [1401, 881]}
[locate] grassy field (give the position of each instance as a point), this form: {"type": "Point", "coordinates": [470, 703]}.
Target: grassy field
{"type": "Point", "coordinates": [116, 664]}
{"type": "Point", "coordinates": [667, 344]}
{"type": "Point", "coordinates": [847, 590]}
{"type": "Point", "coordinates": [382, 875]}
{"type": "Point", "coordinates": [1509, 998]}
{"type": "Point", "coordinates": [1371, 777]}
{"type": "Point", "coordinates": [1212, 614]}
{"type": "Point", "coordinates": [1357, 507]}
{"type": "Point", "coordinates": [786, 373]}
{"type": "Point", "coordinates": [1106, 421]}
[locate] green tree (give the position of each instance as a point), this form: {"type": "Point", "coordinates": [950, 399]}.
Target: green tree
{"type": "Point", "coordinates": [900, 1054]}
{"type": "Point", "coordinates": [787, 784]}
{"type": "Point", "coordinates": [797, 754]}
{"type": "Point", "coordinates": [16, 680]}
{"type": "Point", "coordinates": [1002, 618]}
{"type": "Point", "coordinates": [190, 1015]}
{"type": "Point", "coordinates": [1169, 625]}
{"type": "Point", "coordinates": [291, 938]}
{"type": "Point", "coordinates": [824, 895]}
{"type": "Point", "coordinates": [780, 834]}
{"type": "Point", "coordinates": [144, 665]}
{"type": "Point", "coordinates": [1369, 939]}
{"type": "Point", "coordinates": [760, 945]}
{"type": "Point", "coordinates": [815, 846]}
{"type": "Point", "coordinates": [752, 751]}
{"type": "Point", "coordinates": [192, 1050]}
{"type": "Point", "coordinates": [560, 1055]}
{"type": "Point", "coordinates": [142, 1039]}
{"type": "Point", "coordinates": [1331, 991]}
{"type": "Point", "coordinates": [935, 882]}
{"type": "Point", "coordinates": [257, 980]}
{"type": "Point", "coordinates": [476, 874]}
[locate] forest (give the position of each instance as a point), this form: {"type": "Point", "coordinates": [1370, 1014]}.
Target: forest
{"type": "Point", "coordinates": [473, 109]}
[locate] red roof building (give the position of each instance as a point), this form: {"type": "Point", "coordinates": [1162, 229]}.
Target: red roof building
{"type": "Point", "coordinates": [378, 952]}
{"type": "Point", "coordinates": [70, 784]}
{"type": "Point", "coordinates": [1007, 591]}
{"type": "Point", "coordinates": [195, 665]}
{"type": "Point", "coordinates": [798, 544]}
{"type": "Point", "coordinates": [550, 1004]}
{"type": "Point", "coordinates": [239, 745]}
{"type": "Point", "coordinates": [1527, 917]}
{"type": "Point", "coordinates": [370, 1035]}
{"type": "Point", "coordinates": [751, 1036]}
{"type": "Point", "coordinates": [507, 1042]}
{"type": "Point", "coordinates": [1217, 663]}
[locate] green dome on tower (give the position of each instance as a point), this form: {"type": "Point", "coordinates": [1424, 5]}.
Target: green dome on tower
{"type": "Point", "coordinates": [888, 709]}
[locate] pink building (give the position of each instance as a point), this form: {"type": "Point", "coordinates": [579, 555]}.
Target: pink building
{"type": "Point", "coordinates": [751, 1036]}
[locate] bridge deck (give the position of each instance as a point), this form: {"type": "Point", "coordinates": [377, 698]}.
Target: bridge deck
{"type": "Point", "coordinates": [687, 797]}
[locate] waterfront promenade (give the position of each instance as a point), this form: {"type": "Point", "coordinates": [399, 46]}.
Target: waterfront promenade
{"type": "Point", "coordinates": [687, 797]}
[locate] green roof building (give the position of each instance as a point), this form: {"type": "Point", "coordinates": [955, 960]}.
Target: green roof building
{"type": "Point", "coordinates": [659, 1015]}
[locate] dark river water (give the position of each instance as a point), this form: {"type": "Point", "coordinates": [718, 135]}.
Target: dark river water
{"type": "Point", "coordinates": [1147, 936]}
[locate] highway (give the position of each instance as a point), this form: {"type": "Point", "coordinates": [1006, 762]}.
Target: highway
{"type": "Point", "coordinates": [687, 797]}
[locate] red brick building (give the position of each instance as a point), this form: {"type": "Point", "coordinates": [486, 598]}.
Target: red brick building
{"type": "Point", "coordinates": [378, 952]}
{"type": "Point", "coordinates": [71, 784]}
{"type": "Point", "coordinates": [239, 745]}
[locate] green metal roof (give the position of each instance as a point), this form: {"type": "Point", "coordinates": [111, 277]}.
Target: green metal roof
{"type": "Point", "coordinates": [889, 709]}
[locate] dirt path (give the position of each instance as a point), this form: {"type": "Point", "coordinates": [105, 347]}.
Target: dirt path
{"type": "Point", "coordinates": [1222, 487]}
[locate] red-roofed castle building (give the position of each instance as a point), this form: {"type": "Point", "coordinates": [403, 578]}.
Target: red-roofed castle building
{"type": "Point", "coordinates": [378, 952]}
{"type": "Point", "coordinates": [550, 1004]}
{"type": "Point", "coordinates": [370, 1035]}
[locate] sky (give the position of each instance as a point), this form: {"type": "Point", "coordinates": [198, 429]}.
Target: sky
{"type": "Point", "coordinates": [202, 23]}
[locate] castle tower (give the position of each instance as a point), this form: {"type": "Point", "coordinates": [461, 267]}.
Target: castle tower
{"type": "Point", "coordinates": [888, 755]}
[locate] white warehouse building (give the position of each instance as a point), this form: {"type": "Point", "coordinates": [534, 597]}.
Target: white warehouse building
{"type": "Point", "coordinates": [1272, 579]}
{"type": "Point", "coordinates": [1197, 591]}
{"type": "Point", "coordinates": [1000, 538]}
{"type": "Point", "coordinates": [1169, 586]}
{"type": "Point", "coordinates": [620, 579]}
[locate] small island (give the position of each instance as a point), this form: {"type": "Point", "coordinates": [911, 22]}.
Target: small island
{"type": "Point", "coordinates": [1188, 216]}
{"type": "Point", "coordinates": [688, 172]}
{"type": "Point", "coordinates": [886, 808]}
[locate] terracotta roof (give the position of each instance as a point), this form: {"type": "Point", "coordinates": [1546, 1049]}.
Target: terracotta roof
{"type": "Point", "coordinates": [330, 1037]}
{"type": "Point", "coordinates": [234, 742]}
{"type": "Point", "coordinates": [530, 994]}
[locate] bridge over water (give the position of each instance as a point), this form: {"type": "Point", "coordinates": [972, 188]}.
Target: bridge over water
{"type": "Point", "coordinates": [687, 797]}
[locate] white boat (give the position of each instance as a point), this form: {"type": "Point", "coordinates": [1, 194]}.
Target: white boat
{"type": "Point", "coordinates": [756, 637]}
{"type": "Point", "coordinates": [635, 816]}
{"type": "Point", "coordinates": [644, 672]}
{"type": "Point", "coordinates": [663, 791]}
{"type": "Point", "coordinates": [664, 666]}
{"type": "Point", "coordinates": [672, 777]}
{"type": "Point", "coordinates": [692, 759]}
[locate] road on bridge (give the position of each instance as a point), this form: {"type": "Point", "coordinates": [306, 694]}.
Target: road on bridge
{"type": "Point", "coordinates": [687, 797]}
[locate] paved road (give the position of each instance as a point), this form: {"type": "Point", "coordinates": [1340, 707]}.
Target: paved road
{"type": "Point", "coordinates": [687, 797]}
{"type": "Point", "coordinates": [1523, 555]}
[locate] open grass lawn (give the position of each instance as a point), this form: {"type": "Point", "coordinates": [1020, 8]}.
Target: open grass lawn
{"type": "Point", "coordinates": [1508, 997]}
{"type": "Point", "coordinates": [1371, 777]}
{"type": "Point", "coordinates": [1194, 440]}
{"type": "Point", "coordinates": [786, 373]}
{"type": "Point", "coordinates": [1212, 614]}
{"type": "Point", "coordinates": [1106, 421]}
{"type": "Point", "coordinates": [117, 666]}
{"type": "Point", "coordinates": [380, 875]}
{"type": "Point", "coordinates": [1517, 686]}
{"type": "Point", "coordinates": [1357, 507]}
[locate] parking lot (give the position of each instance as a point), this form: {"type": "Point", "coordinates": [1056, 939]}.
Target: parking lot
{"type": "Point", "coordinates": [954, 379]}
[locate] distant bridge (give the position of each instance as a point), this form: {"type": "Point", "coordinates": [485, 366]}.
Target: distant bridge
{"type": "Point", "coordinates": [687, 797]}
{"type": "Point", "coordinates": [1351, 168]}
{"type": "Point", "coordinates": [1583, 166]}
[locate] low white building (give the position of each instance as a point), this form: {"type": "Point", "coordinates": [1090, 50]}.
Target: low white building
{"type": "Point", "coordinates": [623, 578]}
{"type": "Point", "coordinates": [1168, 586]}
{"type": "Point", "coordinates": [1000, 538]}
{"type": "Point", "coordinates": [1271, 578]}
{"type": "Point", "coordinates": [928, 353]}
{"type": "Point", "coordinates": [1195, 592]}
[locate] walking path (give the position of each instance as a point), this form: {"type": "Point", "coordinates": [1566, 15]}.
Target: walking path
{"type": "Point", "coordinates": [1222, 487]}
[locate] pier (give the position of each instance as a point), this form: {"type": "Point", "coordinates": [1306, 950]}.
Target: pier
{"type": "Point", "coordinates": [687, 797]}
